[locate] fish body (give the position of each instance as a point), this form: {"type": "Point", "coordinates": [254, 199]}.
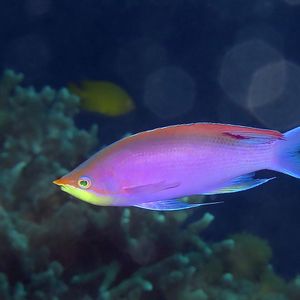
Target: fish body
{"type": "Point", "coordinates": [103, 97]}
{"type": "Point", "coordinates": [152, 169]}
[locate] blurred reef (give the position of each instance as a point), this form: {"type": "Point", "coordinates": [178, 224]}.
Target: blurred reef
{"type": "Point", "coordinates": [52, 247]}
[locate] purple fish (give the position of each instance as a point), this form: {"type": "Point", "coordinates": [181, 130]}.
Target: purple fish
{"type": "Point", "coordinates": [155, 168]}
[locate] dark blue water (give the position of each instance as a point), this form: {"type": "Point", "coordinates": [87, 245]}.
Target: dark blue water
{"type": "Point", "coordinates": [213, 61]}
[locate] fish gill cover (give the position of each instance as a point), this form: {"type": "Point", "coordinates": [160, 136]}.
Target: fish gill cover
{"type": "Point", "coordinates": [52, 247]}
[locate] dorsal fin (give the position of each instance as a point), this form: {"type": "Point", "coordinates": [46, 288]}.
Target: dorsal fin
{"type": "Point", "coordinates": [251, 137]}
{"type": "Point", "coordinates": [236, 132]}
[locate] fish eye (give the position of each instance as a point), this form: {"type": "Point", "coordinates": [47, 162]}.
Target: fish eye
{"type": "Point", "coordinates": [84, 182]}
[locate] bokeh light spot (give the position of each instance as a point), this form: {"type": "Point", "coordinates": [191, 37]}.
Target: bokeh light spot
{"type": "Point", "coordinates": [37, 7]}
{"type": "Point", "coordinates": [169, 92]}
{"type": "Point", "coordinates": [138, 58]}
{"type": "Point", "coordinates": [274, 95]}
{"type": "Point", "coordinates": [267, 84]}
{"type": "Point", "coordinates": [292, 2]}
{"type": "Point", "coordinates": [239, 65]}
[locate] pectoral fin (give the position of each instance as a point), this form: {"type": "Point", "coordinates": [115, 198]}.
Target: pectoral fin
{"type": "Point", "coordinates": [151, 188]}
{"type": "Point", "coordinates": [170, 205]}
{"type": "Point", "coordinates": [240, 183]}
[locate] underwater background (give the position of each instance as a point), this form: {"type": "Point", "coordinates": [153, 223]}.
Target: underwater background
{"type": "Point", "coordinates": [79, 75]}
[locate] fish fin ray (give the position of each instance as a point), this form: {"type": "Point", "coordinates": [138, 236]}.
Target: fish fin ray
{"type": "Point", "coordinates": [151, 188]}
{"type": "Point", "coordinates": [241, 183]}
{"type": "Point", "coordinates": [171, 205]}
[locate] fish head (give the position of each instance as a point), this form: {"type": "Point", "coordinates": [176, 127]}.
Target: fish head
{"type": "Point", "coordinates": [84, 188]}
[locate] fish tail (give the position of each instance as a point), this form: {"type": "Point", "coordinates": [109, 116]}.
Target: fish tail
{"type": "Point", "coordinates": [288, 153]}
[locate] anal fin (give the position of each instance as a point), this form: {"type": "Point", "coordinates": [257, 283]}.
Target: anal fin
{"type": "Point", "coordinates": [241, 183]}
{"type": "Point", "coordinates": [171, 205]}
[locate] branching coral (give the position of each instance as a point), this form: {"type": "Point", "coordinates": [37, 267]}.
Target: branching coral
{"type": "Point", "coordinates": [39, 139]}
{"type": "Point", "coordinates": [39, 142]}
{"type": "Point", "coordinates": [55, 248]}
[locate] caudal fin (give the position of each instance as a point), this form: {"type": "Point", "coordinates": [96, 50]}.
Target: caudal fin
{"type": "Point", "coordinates": [288, 153]}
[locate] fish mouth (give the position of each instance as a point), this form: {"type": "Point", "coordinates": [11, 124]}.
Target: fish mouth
{"type": "Point", "coordinates": [64, 187]}
{"type": "Point", "coordinates": [59, 182]}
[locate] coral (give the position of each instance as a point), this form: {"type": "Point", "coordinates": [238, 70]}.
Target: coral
{"type": "Point", "coordinates": [39, 142]}
{"type": "Point", "coordinates": [55, 248]}
{"type": "Point", "coordinates": [39, 139]}
{"type": "Point", "coordinates": [249, 257]}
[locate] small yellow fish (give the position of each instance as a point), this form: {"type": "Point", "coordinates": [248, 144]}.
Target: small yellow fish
{"type": "Point", "coordinates": [103, 97]}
